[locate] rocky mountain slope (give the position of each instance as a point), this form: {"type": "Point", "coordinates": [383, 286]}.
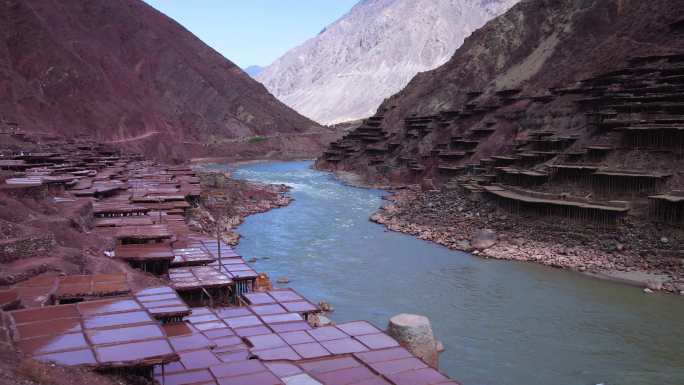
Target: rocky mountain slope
{"type": "Point", "coordinates": [561, 118]}
{"type": "Point", "coordinates": [123, 72]}
{"type": "Point", "coordinates": [346, 71]}
{"type": "Point", "coordinates": [509, 79]}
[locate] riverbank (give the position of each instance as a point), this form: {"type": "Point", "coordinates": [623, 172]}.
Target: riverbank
{"type": "Point", "coordinates": [226, 202]}
{"type": "Point", "coordinates": [633, 254]}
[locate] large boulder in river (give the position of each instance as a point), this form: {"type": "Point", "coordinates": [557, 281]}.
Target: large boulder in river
{"type": "Point", "coordinates": [483, 239]}
{"type": "Point", "coordinates": [414, 332]}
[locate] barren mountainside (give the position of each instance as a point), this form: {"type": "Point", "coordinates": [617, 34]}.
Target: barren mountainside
{"type": "Point", "coordinates": [507, 77]}
{"type": "Point", "coordinates": [121, 71]}
{"type": "Point", "coordinates": [561, 118]}
{"type": "Point", "coordinates": [346, 71]}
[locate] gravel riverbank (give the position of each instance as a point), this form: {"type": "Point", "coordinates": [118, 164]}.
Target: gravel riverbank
{"type": "Point", "coordinates": [638, 254]}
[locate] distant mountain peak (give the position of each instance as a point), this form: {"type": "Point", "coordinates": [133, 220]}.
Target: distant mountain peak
{"type": "Point", "coordinates": [372, 52]}
{"type": "Point", "coordinates": [254, 70]}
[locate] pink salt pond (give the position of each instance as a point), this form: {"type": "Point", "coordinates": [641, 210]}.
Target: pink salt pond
{"type": "Point", "coordinates": [273, 300]}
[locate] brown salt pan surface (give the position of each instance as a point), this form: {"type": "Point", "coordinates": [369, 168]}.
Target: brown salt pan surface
{"type": "Point", "coordinates": [196, 277]}
{"type": "Point", "coordinates": [104, 333]}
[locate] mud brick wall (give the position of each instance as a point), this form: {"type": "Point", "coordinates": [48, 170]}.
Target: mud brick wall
{"type": "Point", "coordinates": [24, 247]}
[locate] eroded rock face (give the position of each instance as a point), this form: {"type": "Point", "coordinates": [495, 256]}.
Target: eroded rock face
{"type": "Point", "coordinates": [414, 332]}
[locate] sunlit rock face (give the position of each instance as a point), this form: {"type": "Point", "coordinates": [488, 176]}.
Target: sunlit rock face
{"type": "Point", "coordinates": [372, 52]}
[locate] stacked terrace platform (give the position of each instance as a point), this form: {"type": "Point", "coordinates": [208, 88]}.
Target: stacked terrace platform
{"type": "Point", "coordinates": [597, 153]}
{"type": "Point", "coordinates": [125, 221]}
{"type": "Point", "coordinates": [653, 136]}
{"type": "Point", "coordinates": [503, 160]}
{"type": "Point", "coordinates": [449, 170]}
{"type": "Point", "coordinates": [243, 276]}
{"type": "Point", "coordinates": [51, 289]}
{"type": "Point", "coordinates": [118, 209]}
{"type": "Point", "coordinates": [550, 144]}
{"type": "Point", "coordinates": [482, 132]}
{"type": "Point", "coordinates": [632, 114]}
{"type": "Point", "coordinates": [97, 189]}
{"type": "Point", "coordinates": [519, 177]}
{"type": "Point", "coordinates": [464, 144]}
{"type": "Point", "coordinates": [420, 125]}
{"type": "Point", "coordinates": [453, 155]}
{"type": "Point", "coordinates": [520, 201]}
{"type": "Point", "coordinates": [368, 139]}
{"type": "Point", "coordinates": [572, 172]}
{"type": "Point", "coordinates": [14, 164]}
{"type": "Point", "coordinates": [668, 208]}
{"type": "Point", "coordinates": [79, 288]}
{"type": "Point", "coordinates": [132, 234]}
{"type": "Point", "coordinates": [192, 254]}
{"type": "Point", "coordinates": [152, 258]}
{"type": "Point", "coordinates": [202, 285]}
{"type": "Point", "coordinates": [163, 304]}
{"type": "Point", "coordinates": [612, 181]}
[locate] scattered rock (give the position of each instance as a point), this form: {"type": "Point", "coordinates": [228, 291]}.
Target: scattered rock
{"type": "Point", "coordinates": [195, 226]}
{"type": "Point", "coordinates": [414, 332]}
{"type": "Point", "coordinates": [318, 320]}
{"type": "Point", "coordinates": [263, 282]}
{"type": "Point", "coordinates": [483, 239]}
{"type": "Point", "coordinates": [448, 218]}
{"type": "Point", "coordinates": [324, 306]}
{"type": "Point", "coordinates": [654, 285]}
{"type": "Point", "coordinates": [463, 245]}
{"type": "Point", "coordinates": [679, 286]}
{"type": "Point", "coordinates": [324, 321]}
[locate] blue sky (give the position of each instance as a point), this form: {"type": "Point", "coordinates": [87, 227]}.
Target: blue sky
{"type": "Point", "coordinates": [254, 31]}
